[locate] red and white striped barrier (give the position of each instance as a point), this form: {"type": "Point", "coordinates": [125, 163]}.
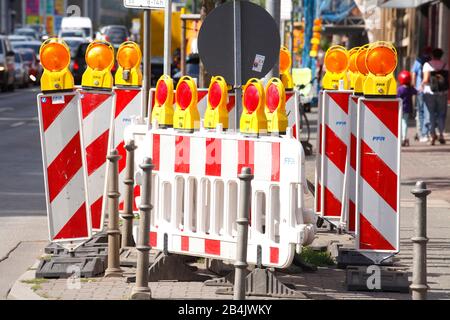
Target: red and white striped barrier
{"type": "Point", "coordinates": [68, 214]}
{"type": "Point", "coordinates": [333, 155]}
{"type": "Point", "coordinates": [128, 108]}
{"type": "Point", "coordinates": [291, 111]}
{"type": "Point", "coordinates": [96, 116]}
{"type": "Point", "coordinates": [378, 174]}
{"type": "Point", "coordinates": [195, 194]}
{"type": "Point", "coordinates": [351, 218]}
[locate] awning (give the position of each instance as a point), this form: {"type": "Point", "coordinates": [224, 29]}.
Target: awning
{"type": "Point", "coordinates": [402, 3]}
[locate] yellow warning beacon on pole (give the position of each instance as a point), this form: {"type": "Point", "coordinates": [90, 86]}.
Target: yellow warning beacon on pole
{"type": "Point", "coordinates": [253, 119]}
{"type": "Point", "coordinates": [336, 63]}
{"type": "Point", "coordinates": [186, 116]}
{"type": "Point", "coordinates": [360, 61]}
{"type": "Point", "coordinates": [100, 61]}
{"type": "Point", "coordinates": [352, 67]}
{"type": "Point", "coordinates": [216, 111]}
{"type": "Point", "coordinates": [162, 111]}
{"type": "Point", "coordinates": [129, 57]}
{"type": "Point", "coordinates": [55, 59]}
{"type": "Point", "coordinates": [285, 68]}
{"type": "Point", "coordinates": [381, 62]}
{"type": "Point", "coordinates": [277, 121]}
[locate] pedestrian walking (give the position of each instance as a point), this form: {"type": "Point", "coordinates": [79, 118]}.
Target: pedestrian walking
{"type": "Point", "coordinates": [435, 89]}
{"type": "Point", "coordinates": [422, 114]}
{"type": "Point", "coordinates": [406, 92]}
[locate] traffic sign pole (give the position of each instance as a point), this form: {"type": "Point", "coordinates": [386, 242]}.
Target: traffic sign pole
{"type": "Point", "coordinates": [147, 63]}
{"type": "Point", "coordinates": [237, 60]}
{"type": "Point", "coordinates": [168, 38]}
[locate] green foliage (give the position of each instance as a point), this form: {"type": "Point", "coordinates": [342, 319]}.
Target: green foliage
{"type": "Point", "coordinates": [316, 258]}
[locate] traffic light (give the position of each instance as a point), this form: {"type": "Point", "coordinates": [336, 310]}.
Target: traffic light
{"type": "Point", "coordinates": [360, 62]}
{"type": "Point", "coordinates": [381, 62]}
{"type": "Point", "coordinates": [129, 57]}
{"type": "Point", "coordinates": [55, 59]}
{"type": "Point", "coordinates": [352, 68]}
{"type": "Point", "coordinates": [285, 68]}
{"type": "Point", "coordinates": [336, 63]}
{"type": "Point", "coordinates": [277, 120]}
{"type": "Point", "coordinates": [100, 61]}
{"type": "Point", "coordinates": [163, 109]}
{"type": "Point", "coordinates": [217, 111]}
{"type": "Point", "coordinates": [315, 40]}
{"type": "Point", "coordinates": [253, 119]}
{"type": "Point", "coordinates": [186, 116]}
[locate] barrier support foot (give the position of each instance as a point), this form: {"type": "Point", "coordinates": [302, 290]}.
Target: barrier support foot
{"type": "Point", "coordinates": [173, 268]}
{"type": "Point", "coordinates": [264, 283]}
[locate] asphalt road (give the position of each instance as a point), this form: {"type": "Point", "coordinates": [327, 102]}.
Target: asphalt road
{"type": "Point", "coordinates": [23, 221]}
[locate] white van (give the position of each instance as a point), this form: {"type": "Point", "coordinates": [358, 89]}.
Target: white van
{"type": "Point", "coordinates": [83, 23]}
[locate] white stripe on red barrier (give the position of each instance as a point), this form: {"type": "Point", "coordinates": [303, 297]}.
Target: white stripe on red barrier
{"type": "Point", "coordinates": [68, 215]}
{"type": "Point", "coordinates": [351, 219]}
{"type": "Point", "coordinates": [96, 114]}
{"type": "Point", "coordinates": [378, 172]}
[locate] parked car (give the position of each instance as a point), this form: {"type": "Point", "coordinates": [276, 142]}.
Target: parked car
{"type": "Point", "coordinates": [15, 38]}
{"type": "Point", "coordinates": [114, 34]}
{"type": "Point", "coordinates": [72, 33]}
{"type": "Point", "coordinates": [35, 68]}
{"type": "Point", "coordinates": [40, 29]}
{"type": "Point", "coordinates": [34, 45]}
{"type": "Point", "coordinates": [29, 32]}
{"type": "Point", "coordinates": [7, 65]}
{"type": "Point", "coordinates": [78, 64]}
{"type": "Point", "coordinates": [22, 72]}
{"type": "Point", "coordinates": [83, 23]}
{"type": "Point", "coordinates": [74, 43]}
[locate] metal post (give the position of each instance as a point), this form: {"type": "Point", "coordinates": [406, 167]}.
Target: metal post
{"type": "Point", "coordinates": [246, 178]}
{"type": "Point", "coordinates": [113, 232]}
{"type": "Point", "coordinates": [127, 214]}
{"type": "Point", "coordinates": [168, 38]}
{"type": "Point", "coordinates": [147, 81]}
{"type": "Point", "coordinates": [183, 47]}
{"type": "Point", "coordinates": [419, 285]}
{"type": "Point", "coordinates": [237, 62]}
{"type": "Point", "coordinates": [141, 291]}
{"type": "Point", "coordinates": [274, 8]}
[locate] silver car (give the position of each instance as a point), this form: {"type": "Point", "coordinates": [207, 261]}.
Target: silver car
{"type": "Point", "coordinates": [22, 73]}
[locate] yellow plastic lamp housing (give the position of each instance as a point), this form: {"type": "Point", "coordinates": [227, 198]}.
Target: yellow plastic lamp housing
{"type": "Point", "coordinates": [55, 59]}
{"type": "Point", "coordinates": [162, 111]}
{"type": "Point", "coordinates": [129, 57]}
{"type": "Point", "coordinates": [352, 68]}
{"type": "Point", "coordinates": [277, 120]}
{"type": "Point", "coordinates": [216, 111]}
{"type": "Point", "coordinates": [99, 61]}
{"type": "Point", "coordinates": [360, 62]}
{"type": "Point", "coordinates": [186, 116]}
{"type": "Point", "coordinates": [336, 63]}
{"type": "Point", "coordinates": [381, 62]}
{"type": "Point", "coordinates": [285, 68]}
{"type": "Point", "coordinates": [253, 119]}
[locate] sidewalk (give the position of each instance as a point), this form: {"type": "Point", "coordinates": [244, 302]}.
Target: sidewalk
{"type": "Point", "coordinates": [419, 162]}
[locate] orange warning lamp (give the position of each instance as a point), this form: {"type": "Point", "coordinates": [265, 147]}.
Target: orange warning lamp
{"type": "Point", "coordinates": [352, 68]}
{"type": "Point", "coordinates": [100, 61]}
{"type": "Point", "coordinates": [285, 68]}
{"type": "Point", "coordinates": [186, 116]}
{"type": "Point", "coordinates": [55, 59]}
{"type": "Point", "coordinates": [315, 40]}
{"type": "Point", "coordinates": [277, 120]}
{"type": "Point", "coordinates": [163, 110]}
{"type": "Point", "coordinates": [360, 62]}
{"type": "Point", "coordinates": [381, 62]}
{"type": "Point", "coordinates": [217, 112]}
{"type": "Point", "coordinates": [129, 57]}
{"type": "Point", "coordinates": [336, 63]}
{"type": "Point", "coordinates": [253, 119]}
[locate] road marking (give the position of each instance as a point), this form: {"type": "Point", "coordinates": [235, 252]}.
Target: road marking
{"type": "Point", "coordinates": [26, 194]}
{"type": "Point", "coordinates": [17, 124]}
{"type": "Point", "coordinates": [18, 119]}
{"type": "Point", "coordinates": [6, 109]}
{"type": "Point", "coordinates": [21, 212]}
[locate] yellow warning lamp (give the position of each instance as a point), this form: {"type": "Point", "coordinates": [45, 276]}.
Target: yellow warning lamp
{"type": "Point", "coordinates": [186, 116]}
{"type": "Point", "coordinates": [352, 67]}
{"type": "Point", "coordinates": [129, 57]}
{"type": "Point", "coordinates": [336, 63]}
{"type": "Point", "coordinates": [277, 120]}
{"type": "Point", "coordinates": [381, 62]}
{"type": "Point", "coordinates": [285, 68]}
{"type": "Point", "coordinates": [253, 119]}
{"type": "Point", "coordinates": [360, 61]}
{"type": "Point", "coordinates": [217, 112]}
{"type": "Point", "coordinates": [55, 59]}
{"type": "Point", "coordinates": [163, 109]}
{"type": "Point", "coordinates": [100, 61]}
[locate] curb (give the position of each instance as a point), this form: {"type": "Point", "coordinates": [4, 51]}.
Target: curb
{"type": "Point", "coordinates": [23, 291]}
